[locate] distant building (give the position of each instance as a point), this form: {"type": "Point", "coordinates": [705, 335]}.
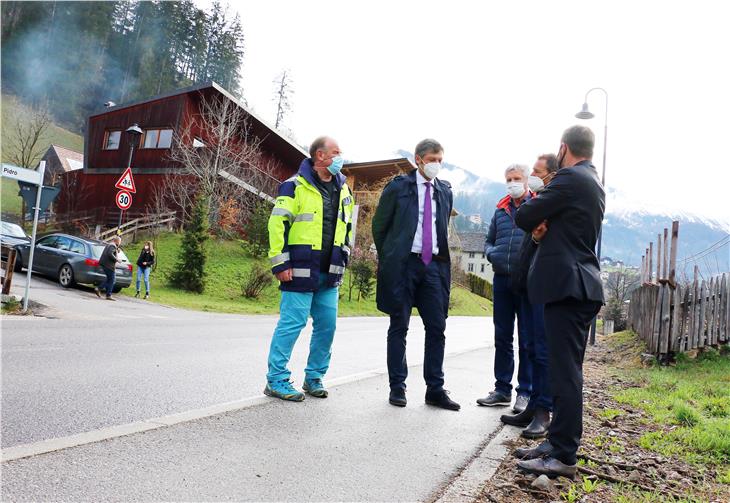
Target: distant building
{"type": "Point", "coordinates": [468, 248]}
{"type": "Point", "coordinates": [475, 219]}
{"type": "Point", "coordinates": [60, 160]}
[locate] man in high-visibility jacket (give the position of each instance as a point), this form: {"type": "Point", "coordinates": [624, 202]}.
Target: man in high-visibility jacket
{"type": "Point", "coordinates": [309, 236]}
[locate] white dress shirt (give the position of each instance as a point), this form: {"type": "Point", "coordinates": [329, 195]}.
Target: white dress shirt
{"type": "Point", "coordinates": [418, 238]}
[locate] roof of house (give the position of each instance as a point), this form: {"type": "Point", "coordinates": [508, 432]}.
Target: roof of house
{"type": "Point", "coordinates": [472, 241]}
{"type": "Point", "coordinates": [296, 150]}
{"type": "Point", "coordinates": [70, 159]}
{"type": "Point", "coordinates": [367, 173]}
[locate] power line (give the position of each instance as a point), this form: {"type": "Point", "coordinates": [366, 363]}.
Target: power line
{"type": "Point", "coordinates": [707, 251]}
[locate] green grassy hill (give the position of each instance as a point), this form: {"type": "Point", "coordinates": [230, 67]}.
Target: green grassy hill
{"type": "Point", "coordinates": [226, 261]}
{"type": "Point", "coordinates": [12, 112]}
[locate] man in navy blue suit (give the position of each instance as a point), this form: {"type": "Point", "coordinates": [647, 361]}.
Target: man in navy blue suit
{"type": "Point", "coordinates": [414, 269]}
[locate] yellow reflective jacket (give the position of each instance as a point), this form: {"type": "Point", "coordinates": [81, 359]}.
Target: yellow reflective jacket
{"type": "Point", "coordinates": [295, 231]}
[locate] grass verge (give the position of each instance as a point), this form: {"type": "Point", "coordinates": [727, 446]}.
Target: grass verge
{"type": "Point", "coordinates": [225, 264]}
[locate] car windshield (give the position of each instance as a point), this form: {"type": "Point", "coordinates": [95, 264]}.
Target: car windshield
{"type": "Point", "coordinates": [13, 230]}
{"type": "Point", "coordinates": [98, 249]}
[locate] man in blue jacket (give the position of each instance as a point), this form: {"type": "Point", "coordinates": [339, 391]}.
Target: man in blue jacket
{"type": "Point", "coordinates": [410, 229]}
{"type": "Point", "coordinates": [503, 244]}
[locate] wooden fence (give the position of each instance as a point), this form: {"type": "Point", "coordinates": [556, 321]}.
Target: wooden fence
{"type": "Point", "coordinates": [136, 225]}
{"type": "Point", "coordinates": [674, 318]}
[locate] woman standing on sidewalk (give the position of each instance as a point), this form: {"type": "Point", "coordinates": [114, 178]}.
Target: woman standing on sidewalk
{"type": "Point", "coordinates": [144, 266]}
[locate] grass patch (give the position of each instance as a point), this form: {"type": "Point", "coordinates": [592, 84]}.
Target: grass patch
{"type": "Point", "coordinates": [13, 110]}
{"type": "Point", "coordinates": [10, 201]}
{"type": "Point", "coordinates": [227, 260]}
{"type": "Point", "coordinates": [691, 403]}
{"type": "Point", "coordinates": [11, 306]}
{"type": "Point", "coordinates": [610, 414]}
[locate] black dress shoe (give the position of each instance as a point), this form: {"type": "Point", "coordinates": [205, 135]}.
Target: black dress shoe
{"type": "Point", "coordinates": [398, 397]}
{"type": "Point", "coordinates": [541, 450]}
{"type": "Point", "coordinates": [441, 399]}
{"type": "Point", "coordinates": [547, 466]}
{"type": "Point", "coordinates": [539, 425]}
{"type": "Point", "coordinates": [522, 419]}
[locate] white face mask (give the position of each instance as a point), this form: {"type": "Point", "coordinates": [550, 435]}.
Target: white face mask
{"type": "Point", "coordinates": [516, 189]}
{"type": "Point", "coordinates": [535, 183]}
{"type": "Point", "coordinates": [431, 170]}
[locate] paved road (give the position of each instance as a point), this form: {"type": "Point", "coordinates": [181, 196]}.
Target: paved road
{"type": "Point", "coordinates": [352, 446]}
{"type": "Point", "coordinates": [101, 364]}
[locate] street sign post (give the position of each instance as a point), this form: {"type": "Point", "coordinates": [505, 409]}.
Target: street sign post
{"type": "Point", "coordinates": [124, 200]}
{"type": "Point", "coordinates": [35, 177]}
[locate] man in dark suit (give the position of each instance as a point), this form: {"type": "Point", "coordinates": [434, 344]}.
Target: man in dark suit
{"type": "Point", "coordinates": [414, 269]}
{"type": "Point", "coordinates": [565, 276]}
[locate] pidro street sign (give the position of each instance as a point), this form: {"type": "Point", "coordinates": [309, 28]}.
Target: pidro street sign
{"type": "Point", "coordinates": [21, 174]}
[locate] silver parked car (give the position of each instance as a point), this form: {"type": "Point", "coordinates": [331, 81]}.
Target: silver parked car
{"type": "Point", "coordinates": [72, 259]}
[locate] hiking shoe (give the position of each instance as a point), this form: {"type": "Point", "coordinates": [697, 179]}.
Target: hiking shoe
{"type": "Point", "coordinates": [315, 388]}
{"type": "Point", "coordinates": [283, 389]}
{"type": "Point", "coordinates": [495, 399]}
{"type": "Point", "coordinates": [136, 295]}
{"type": "Point", "coordinates": [520, 403]}
{"type": "Point", "coordinates": [97, 291]}
{"type": "Point", "coordinates": [110, 298]}
{"type": "Point", "coordinates": [146, 296]}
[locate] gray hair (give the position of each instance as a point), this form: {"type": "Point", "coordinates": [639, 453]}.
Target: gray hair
{"type": "Point", "coordinates": [522, 168]}
{"type": "Point", "coordinates": [118, 239]}
{"type": "Point", "coordinates": [580, 140]}
{"type": "Point", "coordinates": [317, 144]}
{"type": "Point", "coordinates": [428, 146]}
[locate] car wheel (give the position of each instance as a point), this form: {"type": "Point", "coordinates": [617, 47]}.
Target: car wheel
{"type": "Point", "coordinates": [18, 262]}
{"type": "Point", "coordinates": [117, 289]}
{"type": "Point", "coordinates": [66, 276]}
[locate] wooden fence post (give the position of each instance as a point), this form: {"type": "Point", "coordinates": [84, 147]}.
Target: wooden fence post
{"type": "Point", "coordinates": [650, 252]}
{"type": "Point", "coordinates": [658, 258]}
{"type": "Point", "coordinates": [673, 252]}
{"type": "Point", "coordinates": [665, 276]}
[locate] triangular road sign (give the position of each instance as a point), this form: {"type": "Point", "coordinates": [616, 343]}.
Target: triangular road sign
{"type": "Point", "coordinates": [126, 182]}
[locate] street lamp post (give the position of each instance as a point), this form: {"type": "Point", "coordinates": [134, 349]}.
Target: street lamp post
{"type": "Point", "coordinates": [587, 114]}
{"type": "Point", "coordinates": [133, 133]}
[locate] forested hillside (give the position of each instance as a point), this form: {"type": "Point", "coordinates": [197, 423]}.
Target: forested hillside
{"type": "Point", "coordinates": [72, 57]}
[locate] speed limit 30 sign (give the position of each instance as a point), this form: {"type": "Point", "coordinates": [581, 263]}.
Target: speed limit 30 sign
{"type": "Point", "coordinates": [124, 200]}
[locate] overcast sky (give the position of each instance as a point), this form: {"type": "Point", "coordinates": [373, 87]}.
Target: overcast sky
{"type": "Point", "coordinates": [498, 82]}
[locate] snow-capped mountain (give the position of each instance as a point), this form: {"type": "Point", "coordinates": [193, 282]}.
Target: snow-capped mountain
{"type": "Point", "coordinates": [628, 228]}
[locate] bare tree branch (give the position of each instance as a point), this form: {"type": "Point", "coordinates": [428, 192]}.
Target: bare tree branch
{"type": "Point", "coordinates": [218, 141]}
{"type": "Point", "coordinates": [27, 138]}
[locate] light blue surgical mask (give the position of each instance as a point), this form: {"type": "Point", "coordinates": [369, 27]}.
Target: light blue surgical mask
{"type": "Point", "coordinates": [336, 166]}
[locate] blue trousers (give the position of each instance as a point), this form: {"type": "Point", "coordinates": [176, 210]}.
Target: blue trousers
{"type": "Point", "coordinates": [111, 278]}
{"type": "Point", "coordinates": [538, 354]}
{"type": "Point", "coordinates": [507, 306]}
{"type": "Point", "coordinates": [144, 271]}
{"type": "Point", "coordinates": [295, 308]}
{"type": "Point", "coordinates": [425, 288]}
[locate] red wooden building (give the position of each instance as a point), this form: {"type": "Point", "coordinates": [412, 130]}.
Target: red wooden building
{"type": "Point", "coordinates": [107, 147]}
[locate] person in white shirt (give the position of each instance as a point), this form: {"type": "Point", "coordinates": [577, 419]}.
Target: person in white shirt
{"type": "Point", "coordinates": [410, 229]}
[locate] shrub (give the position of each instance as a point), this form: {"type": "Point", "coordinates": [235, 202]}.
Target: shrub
{"type": "Point", "coordinates": [363, 277]}
{"type": "Point", "coordinates": [255, 281]}
{"type": "Point", "coordinates": [257, 231]}
{"type": "Point", "coordinates": [480, 286]}
{"type": "Point", "coordinates": [189, 274]}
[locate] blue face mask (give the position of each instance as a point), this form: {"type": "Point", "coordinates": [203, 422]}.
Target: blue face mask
{"type": "Point", "coordinates": [336, 165]}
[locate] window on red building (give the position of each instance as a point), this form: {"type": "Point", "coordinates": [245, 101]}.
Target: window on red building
{"type": "Point", "coordinates": [111, 140]}
{"type": "Point", "coordinates": [157, 138]}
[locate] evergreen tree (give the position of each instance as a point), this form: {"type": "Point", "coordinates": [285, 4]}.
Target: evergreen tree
{"type": "Point", "coordinates": [189, 273]}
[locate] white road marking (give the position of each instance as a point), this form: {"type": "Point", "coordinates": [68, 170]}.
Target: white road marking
{"type": "Point", "coordinates": [108, 433]}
